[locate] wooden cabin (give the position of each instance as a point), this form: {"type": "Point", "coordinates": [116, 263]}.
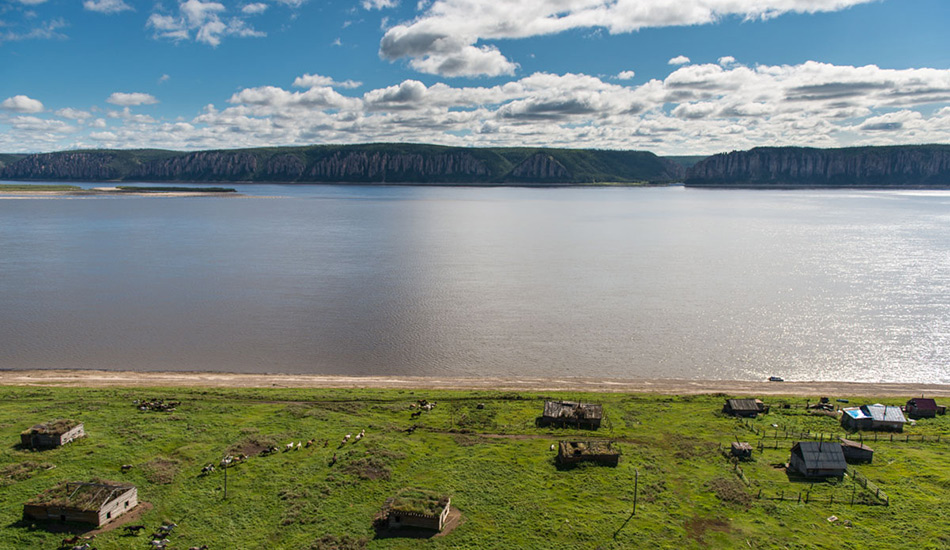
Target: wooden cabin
{"type": "Point", "coordinates": [741, 450]}
{"type": "Point", "coordinates": [599, 452]}
{"type": "Point", "coordinates": [873, 417]}
{"type": "Point", "coordinates": [92, 502]}
{"type": "Point", "coordinates": [52, 434]}
{"type": "Point", "coordinates": [856, 452]}
{"type": "Point", "coordinates": [416, 508]}
{"type": "Point", "coordinates": [573, 414]}
{"type": "Point", "coordinates": [745, 407]}
{"type": "Point", "coordinates": [921, 407]}
{"type": "Point", "coordinates": [817, 459]}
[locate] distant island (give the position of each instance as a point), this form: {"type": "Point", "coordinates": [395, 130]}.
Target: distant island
{"type": "Point", "coordinates": [369, 163]}
{"type": "Point", "coordinates": [906, 166]}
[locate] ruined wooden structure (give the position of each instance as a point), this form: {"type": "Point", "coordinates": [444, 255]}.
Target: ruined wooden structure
{"type": "Point", "coordinates": [93, 502]}
{"type": "Point", "coordinates": [571, 414]}
{"type": "Point", "coordinates": [52, 434]}
{"type": "Point", "coordinates": [598, 452]}
{"type": "Point", "coordinates": [415, 508]}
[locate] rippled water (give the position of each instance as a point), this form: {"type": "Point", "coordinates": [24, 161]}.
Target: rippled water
{"type": "Point", "coordinates": [605, 282]}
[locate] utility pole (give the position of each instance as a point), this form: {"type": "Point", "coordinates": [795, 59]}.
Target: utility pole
{"type": "Point", "coordinates": [636, 482]}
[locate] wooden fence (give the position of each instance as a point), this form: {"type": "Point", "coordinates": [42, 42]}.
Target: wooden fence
{"type": "Point", "coordinates": [833, 436]}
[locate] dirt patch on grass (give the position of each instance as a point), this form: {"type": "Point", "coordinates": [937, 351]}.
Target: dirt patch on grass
{"type": "Point", "coordinates": [252, 445]}
{"type": "Point", "coordinates": [696, 527]}
{"type": "Point", "coordinates": [731, 491]}
{"type": "Point", "coordinates": [371, 464]}
{"type": "Point", "coordinates": [333, 542]}
{"type": "Point", "coordinates": [161, 470]}
{"type": "Point", "coordinates": [12, 473]}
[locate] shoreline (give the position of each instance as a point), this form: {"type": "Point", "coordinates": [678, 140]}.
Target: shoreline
{"type": "Point", "coordinates": [103, 379]}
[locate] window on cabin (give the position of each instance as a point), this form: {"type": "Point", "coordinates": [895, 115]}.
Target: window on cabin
{"type": "Point", "coordinates": [108, 515]}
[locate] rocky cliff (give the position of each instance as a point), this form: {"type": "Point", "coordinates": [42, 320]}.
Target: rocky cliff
{"type": "Point", "coordinates": [900, 166]}
{"type": "Point", "coordinates": [371, 163]}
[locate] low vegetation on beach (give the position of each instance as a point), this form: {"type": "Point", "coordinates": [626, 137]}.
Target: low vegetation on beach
{"type": "Point", "coordinates": [20, 187]}
{"type": "Point", "coordinates": [482, 449]}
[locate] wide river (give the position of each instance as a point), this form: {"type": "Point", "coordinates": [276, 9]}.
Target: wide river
{"type": "Point", "coordinates": [380, 280]}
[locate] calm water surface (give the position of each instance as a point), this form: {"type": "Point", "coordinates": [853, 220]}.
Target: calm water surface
{"type": "Point", "coordinates": [622, 283]}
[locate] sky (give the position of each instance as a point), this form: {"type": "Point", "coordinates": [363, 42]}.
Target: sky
{"type": "Point", "coordinates": [675, 77]}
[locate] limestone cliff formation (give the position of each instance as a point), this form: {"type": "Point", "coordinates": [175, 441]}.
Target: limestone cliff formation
{"type": "Point", "coordinates": [917, 166]}
{"type": "Point", "coordinates": [371, 163]}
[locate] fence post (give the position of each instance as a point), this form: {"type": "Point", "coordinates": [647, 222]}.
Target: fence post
{"type": "Point", "coordinates": [800, 498]}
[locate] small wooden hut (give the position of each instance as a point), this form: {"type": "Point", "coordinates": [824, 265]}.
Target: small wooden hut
{"type": "Point", "coordinates": [921, 407]}
{"type": "Point", "coordinates": [52, 434]}
{"type": "Point", "coordinates": [415, 508]}
{"type": "Point", "coordinates": [599, 452]}
{"type": "Point", "coordinates": [745, 407]}
{"type": "Point", "coordinates": [817, 459]}
{"type": "Point", "coordinates": [741, 450]}
{"type": "Point", "coordinates": [93, 502]}
{"type": "Point", "coordinates": [856, 452]}
{"type": "Point", "coordinates": [570, 413]}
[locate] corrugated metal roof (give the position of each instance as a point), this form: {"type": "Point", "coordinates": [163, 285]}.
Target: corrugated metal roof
{"type": "Point", "coordinates": [821, 455]}
{"type": "Point", "coordinates": [885, 413]}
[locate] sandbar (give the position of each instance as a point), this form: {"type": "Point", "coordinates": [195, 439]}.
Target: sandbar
{"type": "Point", "coordinates": [104, 378]}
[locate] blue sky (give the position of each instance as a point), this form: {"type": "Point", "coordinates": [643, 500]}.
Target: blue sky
{"type": "Point", "coordinates": [670, 76]}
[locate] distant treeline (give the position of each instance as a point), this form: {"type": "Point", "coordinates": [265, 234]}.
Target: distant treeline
{"type": "Point", "coordinates": [369, 163]}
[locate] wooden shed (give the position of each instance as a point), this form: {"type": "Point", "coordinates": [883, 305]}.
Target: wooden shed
{"type": "Point", "coordinates": [873, 417]}
{"type": "Point", "coordinates": [93, 502]}
{"type": "Point", "coordinates": [741, 450]}
{"type": "Point", "coordinates": [921, 407]}
{"type": "Point", "coordinates": [745, 407]}
{"type": "Point", "coordinates": [416, 508]}
{"type": "Point", "coordinates": [817, 459]}
{"type": "Point", "coordinates": [855, 451]}
{"type": "Point", "coordinates": [599, 452]}
{"type": "Point", "coordinates": [570, 413]}
{"type": "Point", "coordinates": [52, 434]}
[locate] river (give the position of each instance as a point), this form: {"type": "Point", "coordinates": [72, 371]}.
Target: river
{"type": "Point", "coordinates": [667, 282]}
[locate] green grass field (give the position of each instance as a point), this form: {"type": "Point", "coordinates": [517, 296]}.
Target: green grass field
{"type": "Point", "coordinates": [496, 465]}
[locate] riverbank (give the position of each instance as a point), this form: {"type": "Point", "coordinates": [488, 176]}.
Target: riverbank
{"type": "Point", "coordinates": [24, 191]}
{"type": "Point", "coordinates": [483, 449]}
{"type": "Point", "coordinates": [103, 378]}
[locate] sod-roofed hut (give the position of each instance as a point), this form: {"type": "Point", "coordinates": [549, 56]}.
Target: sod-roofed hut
{"type": "Point", "coordinates": [855, 451]}
{"type": "Point", "coordinates": [599, 452]}
{"type": "Point", "coordinates": [873, 417]}
{"type": "Point", "coordinates": [741, 449]}
{"type": "Point", "coordinates": [416, 508]}
{"type": "Point", "coordinates": [817, 459]}
{"type": "Point", "coordinates": [570, 413]}
{"type": "Point", "coordinates": [921, 407]}
{"type": "Point", "coordinates": [93, 502]}
{"type": "Point", "coordinates": [52, 434]}
{"type": "Point", "coordinates": [745, 407]}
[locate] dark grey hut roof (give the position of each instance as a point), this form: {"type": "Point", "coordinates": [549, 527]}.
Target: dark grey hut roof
{"type": "Point", "coordinates": [821, 455]}
{"type": "Point", "coordinates": [743, 405]}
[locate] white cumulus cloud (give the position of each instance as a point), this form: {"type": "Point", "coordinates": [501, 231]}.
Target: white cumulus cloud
{"type": "Point", "coordinates": [201, 21]}
{"type": "Point", "coordinates": [254, 9]}
{"type": "Point", "coordinates": [316, 80]}
{"type": "Point", "coordinates": [448, 37]}
{"type": "Point", "coordinates": [379, 4]}
{"type": "Point", "coordinates": [131, 99]}
{"type": "Point", "coordinates": [678, 60]}
{"type": "Point", "coordinates": [625, 75]}
{"type": "Point", "coordinates": [106, 6]}
{"type": "Point", "coordinates": [22, 104]}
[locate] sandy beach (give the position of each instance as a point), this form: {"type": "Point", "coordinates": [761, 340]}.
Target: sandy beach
{"type": "Point", "coordinates": [101, 378]}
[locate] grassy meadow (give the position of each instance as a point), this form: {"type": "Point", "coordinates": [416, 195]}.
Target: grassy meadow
{"type": "Point", "coordinates": [495, 463]}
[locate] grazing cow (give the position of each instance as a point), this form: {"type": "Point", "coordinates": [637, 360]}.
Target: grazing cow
{"type": "Point", "coordinates": [126, 467]}
{"type": "Point", "coordinates": [83, 546]}
{"type": "Point", "coordinates": [71, 540]}
{"type": "Point", "coordinates": [288, 446]}
{"type": "Point", "coordinates": [309, 444]}
{"type": "Point", "coordinates": [299, 446]}
{"type": "Point", "coordinates": [159, 543]}
{"type": "Point", "coordinates": [333, 460]}
{"type": "Point", "coordinates": [167, 529]}
{"type": "Point", "coordinates": [202, 547]}
{"type": "Point", "coordinates": [416, 414]}
{"type": "Point", "coordinates": [133, 529]}
{"type": "Point", "coordinates": [207, 469]}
